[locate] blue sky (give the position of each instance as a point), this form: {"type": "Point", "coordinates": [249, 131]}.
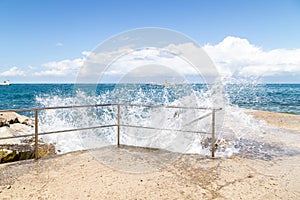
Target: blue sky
{"type": "Point", "coordinates": [34, 32]}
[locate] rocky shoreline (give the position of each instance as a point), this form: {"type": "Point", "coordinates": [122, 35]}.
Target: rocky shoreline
{"type": "Point", "coordinates": [13, 124]}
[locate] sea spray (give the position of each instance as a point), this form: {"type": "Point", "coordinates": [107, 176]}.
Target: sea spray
{"type": "Point", "coordinates": [234, 130]}
{"type": "Point", "coordinates": [139, 116]}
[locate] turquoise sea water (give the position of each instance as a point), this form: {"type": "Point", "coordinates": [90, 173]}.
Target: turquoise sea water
{"type": "Point", "coordinates": [283, 98]}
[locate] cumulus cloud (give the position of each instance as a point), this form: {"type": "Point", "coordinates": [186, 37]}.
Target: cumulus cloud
{"type": "Point", "coordinates": [61, 68]}
{"type": "Point", "coordinates": [14, 71]}
{"type": "Point", "coordinates": [232, 57]}
{"type": "Point", "coordinates": [149, 57]}
{"type": "Point", "coordinates": [236, 56]}
{"type": "Point", "coordinates": [121, 62]}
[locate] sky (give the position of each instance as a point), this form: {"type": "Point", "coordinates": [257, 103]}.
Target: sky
{"type": "Point", "coordinates": [47, 41]}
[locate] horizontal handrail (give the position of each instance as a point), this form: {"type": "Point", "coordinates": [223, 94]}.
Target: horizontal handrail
{"type": "Point", "coordinates": [57, 107]}
{"type": "Point", "coordinates": [103, 105]}
{"type": "Point", "coordinates": [16, 136]}
{"type": "Point", "coordinates": [76, 129]}
{"type": "Point", "coordinates": [163, 129]}
{"type": "Point", "coordinates": [161, 106]}
{"type": "Point", "coordinates": [59, 131]}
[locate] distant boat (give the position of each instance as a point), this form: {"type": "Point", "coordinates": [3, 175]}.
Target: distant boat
{"type": "Point", "coordinates": [5, 83]}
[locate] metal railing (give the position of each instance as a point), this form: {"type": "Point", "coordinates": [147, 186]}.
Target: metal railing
{"type": "Point", "coordinates": [118, 125]}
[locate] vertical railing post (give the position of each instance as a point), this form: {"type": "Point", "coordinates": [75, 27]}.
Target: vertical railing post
{"type": "Point", "coordinates": [213, 121]}
{"type": "Point", "coordinates": [118, 125]}
{"type": "Point", "coordinates": [36, 134]}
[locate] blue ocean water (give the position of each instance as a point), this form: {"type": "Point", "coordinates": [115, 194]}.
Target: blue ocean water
{"type": "Point", "coordinates": [283, 98]}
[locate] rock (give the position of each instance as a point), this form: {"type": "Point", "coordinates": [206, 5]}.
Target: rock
{"type": "Point", "coordinates": [5, 153]}
{"type": "Point", "coordinates": [46, 150]}
{"type": "Point", "coordinates": [7, 118]}
{"type": "Point", "coordinates": [8, 187]}
{"type": "Point", "coordinates": [8, 132]}
{"type": "Point", "coordinates": [220, 144]}
{"type": "Point", "coordinates": [206, 142]}
{"type": "Point", "coordinates": [25, 120]}
{"type": "Point", "coordinates": [3, 121]}
{"type": "Point", "coordinates": [5, 131]}
{"type": "Point", "coordinates": [16, 152]}
{"type": "Point", "coordinates": [21, 129]}
{"type": "Point", "coordinates": [10, 153]}
{"type": "Point", "coordinates": [13, 124]}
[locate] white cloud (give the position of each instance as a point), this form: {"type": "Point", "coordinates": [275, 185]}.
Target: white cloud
{"type": "Point", "coordinates": [86, 53]}
{"type": "Point", "coordinates": [232, 57]}
{"type": "Point", "coordinates": [236, 56]}
{"type": "Point", "coordinates": [150, 57]}
{"type": "Point", "coordinates": [59, 44]}
{"type": "Point", "coordinates": [124, 61]}
{"type": "Point", "coordinates": [31, 67]}
{"type": "Point", "coordinates": [14, 71]}
{"type": "Point", "coordinates": [61, 68]}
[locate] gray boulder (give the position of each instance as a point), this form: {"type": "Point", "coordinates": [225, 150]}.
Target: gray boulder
{"type": "Point", "coordinates": [8, 118]}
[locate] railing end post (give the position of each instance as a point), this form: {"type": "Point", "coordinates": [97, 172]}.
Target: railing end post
{"type": "Point", "coordinates": [118, 139]}
{"type": "Point", "coordinates": [213, 133]}
{"type": "Point", "coordinates": [36, 135]}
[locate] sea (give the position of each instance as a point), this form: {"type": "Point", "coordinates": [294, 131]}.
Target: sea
{"type": "Point", "coordinates": [232, 122]}
{"type": "Point", "coordinates": [284, 98]}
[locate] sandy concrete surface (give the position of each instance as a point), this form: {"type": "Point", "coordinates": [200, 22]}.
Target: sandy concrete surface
{"type": "Point", "coordinates": [281, 120]}
{"type": "Point", "coordinates": [134, 173]}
